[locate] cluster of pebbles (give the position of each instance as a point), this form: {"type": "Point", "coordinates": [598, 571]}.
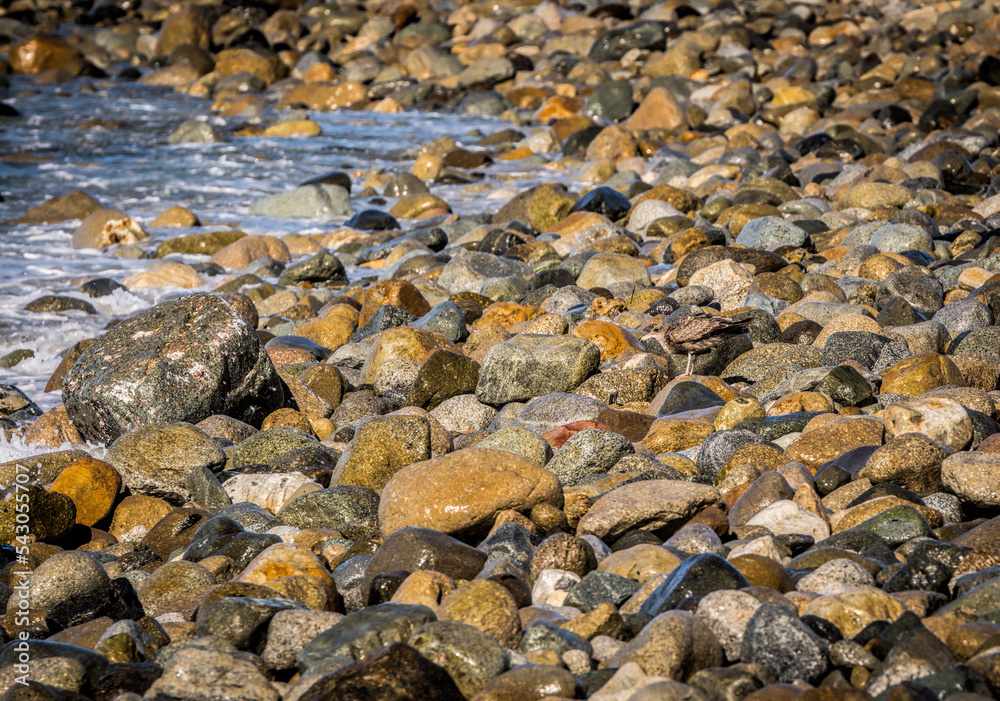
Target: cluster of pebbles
{"type": "Point", "coordinates": [478, 474]}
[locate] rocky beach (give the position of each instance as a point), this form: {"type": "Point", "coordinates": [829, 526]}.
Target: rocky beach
{"type": "Point", "coordinates": [336, 357]}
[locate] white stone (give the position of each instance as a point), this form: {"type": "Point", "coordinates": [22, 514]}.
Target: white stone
{"type": "Point", "coordinates": [550, 581]}
{"type": "Point", "coordinates": [649, 211]}
{"type": "Point", "coordinates": [940, 419]}
{"type": "Point", "coordinates": [720, 275]}
{"type": "Point", "coordinates": [788, 518]}
{"type": "Point", "coordinates": [764, 547]}
{"type": "Point", "coordinates": [829, 578]}
{"type": "Point", "coordinates": [269, 491]}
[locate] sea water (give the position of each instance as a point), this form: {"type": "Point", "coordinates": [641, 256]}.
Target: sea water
{"type": "Point", "coordinates": [132, 167]}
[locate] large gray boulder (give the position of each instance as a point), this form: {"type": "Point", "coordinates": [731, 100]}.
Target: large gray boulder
{"type": "Point", "coordinates": [183, 360]}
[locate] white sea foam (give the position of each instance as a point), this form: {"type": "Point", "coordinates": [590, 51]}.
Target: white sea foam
{"type": "Point", "coordinates": [16, 449]}
{"type": "Point", "coordinates": [135, 170]}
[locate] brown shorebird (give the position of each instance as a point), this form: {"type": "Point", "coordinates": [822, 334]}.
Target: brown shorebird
{"type": "Point", "coordinates": [695, 333]}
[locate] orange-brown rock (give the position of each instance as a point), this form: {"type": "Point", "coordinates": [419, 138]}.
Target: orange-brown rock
{"type": "Point", "coordinates": [138, 510]}
{"type": "Point", "coordinates": [558, 107]}
{"type": "Point", "coordinates": [613, 143]}
{"type": "Point", "coordinates": [187, 24]}
{"type": "Point", "coordinates": [854, 609]}
{"type": "Point", "coordinates": [671, 434]}
{"type": "Point", "coordinates": [640, 562]}
{"type": "Point", "coordinates": [480, 342]}
{"type": "Point", "coordinates": [464, 491]}
{"type": "Point", "coordinates": [324, 96]}
{"type": "Point", "coordinates": [398, 293]}
{"type": "Point", "coordinates": [404, 342]}
{"type": "Point", "coordinates": [285, 560]}
{"type": "Point", "coordinates": [505, 314]}
{"type": "Point", "coordinates": [560, 434]}
{"type": "Point", "coordinates": [611, 339]}
{"type": "Point", "coordinates": [425, 587]}
{"type": "Point", "coordinates": [486, 605]}
{"type": "Point", "coordinates": [764, 456]}
{"type": "Point", "coordinates": [764, 572]}
{"type": "Point", "coordinates": [246, 250]}
{"type": "Point", "coordinates": [172, 273]}
{"type": "Point", "coordinates": [658, 110]}
{"type": "Point", "coordinates": [296, 127]}
{"type": "Point", "coordinates": [675, 197]}
{"type": "Point", "coordinates": [800, 401]}
{"type": "Point", "coordinates": [921, 373]}
{"type": "Point", "coordinates": [93, 486]}
{"type": "Point", "coordinates": [817, 446]}
{"type": "Point", "coordinates": [75, 204]}
{"type": "Point", "coordinates": [41, 53]}
{"type": "Point", "coordinates": [849, 518]}
{"type": "Point", "coordinates": [268, 68]}
{"type": "Point", "coordinates": [417, 206]}
{"type": "Point", "coordinates": [52, 429]}
{"type": "Point", "coordinates": [331, 332]}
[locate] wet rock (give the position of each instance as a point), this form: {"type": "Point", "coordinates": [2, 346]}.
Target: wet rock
{"type": "Point", "coordinates": [204, 670]}
{"type": "Point", "coordinates": [156, 459]}
{"type": "Point", "coordinates": [75, 204]}
{"type": "Point", "coordinates": [247, 249]}
{"type": "Point", "coordinates": [470, 657]}
{"type": "Point", "coordinates": [530, 366]}
{"type": "Point", "coordinates": [972, 477]}
{"type": "Point", "coordinates": [56, 303]}
{"type": "Point", "coordinates": [779, 640]}
{"type": "Point", "coordinates": [372, 220]}
{"type": "Point", "coordinates": [652, 506]}
{"type": "Point", "coordinates": [910, 460]}
{"type": "Point", "coordinates": [321, 270]}
{"type": "Point", "coordinates": [397, 672]}
{"type": "Point", "coordinates": [696, 576]}
{"type": "Point", "coordinates": [604, 200]}
{"type": "Point", "coordinates": [362, 632]}
{"type": "Point", "coordinates": [382, 446]}
{"type": "Point", "coordinates": [423, 495]}
{"type": "Point", "coordinates": [142, 371]}
{"type": "Point", "coordinates": [52, 514]}
{"type": "Point", "coordinates": [208, 243]}
{"type": "Point", "coordinates": [613, 44]}
{"type": "Point", "coordinates": [194, 131]}
{"type": "Point", "coordinates": [591, 451]}
{"type": "Point", "coordinates": [240, 620]}
{"type": "Point", "coordinates": [532, 681]}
